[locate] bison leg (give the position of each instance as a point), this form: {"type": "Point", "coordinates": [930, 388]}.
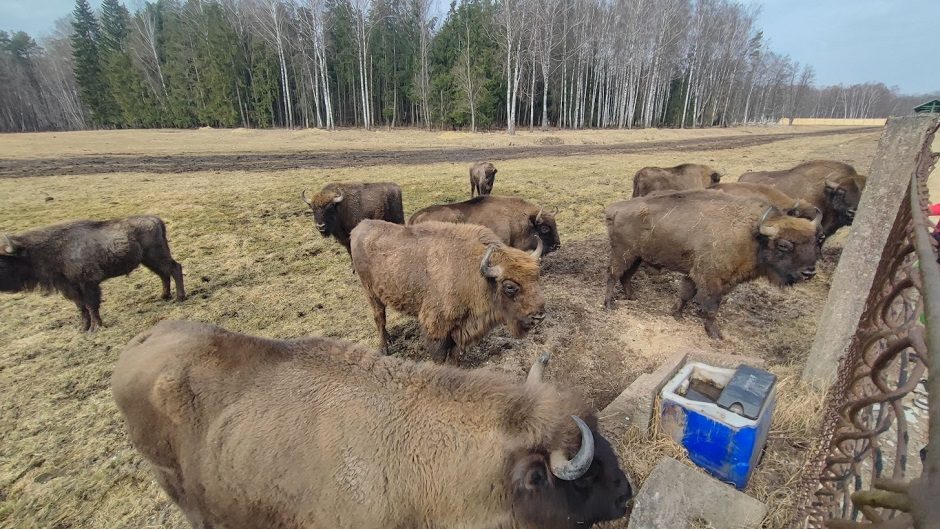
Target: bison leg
{"type": "Point", "coordinates": [92, 296]}
{"type": "Point", "coordinates": [709, 306]}
{"type": "Point", "coordinates": [443, 350]}
{"type": "Point", "coordinates": [686, 293]}
{"type": "Point", "coordinates": [378, 314]}
{"type": "Point", "coordinates": [166, 267]}
{"type": "Point", "coordinates": [178, 279]}
{"type": "Point", "coordinates": [74, 295]}
{"type": "Point", "coordinates": [621, 270]}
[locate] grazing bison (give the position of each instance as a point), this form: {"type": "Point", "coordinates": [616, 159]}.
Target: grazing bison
{"type": "Point", "coordinates": [795, 207]}
{"type": "Point", "coordinates": [339, 207]}
{"type": "Point", "coordinates": [254, 433]}
{"type": "Point", "coordinates": [75, 257]}
{"type": "Point", "coordinates": [678, 178]}
{"type": "Point", "coordinates": [833, 187]}
{"type": "Point", "coordinates": [482, 177]}
{"type": "Point", "coordinates": [717, 240]}
{"type": "Point", "coordinates": [515, 221]}
{"type": "Point", "coordinates": [459, 280]}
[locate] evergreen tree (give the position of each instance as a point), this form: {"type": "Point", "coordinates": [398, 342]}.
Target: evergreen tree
{"type": "Point", "coordinates": [136, 102]}
{"type": "Point", "coordinates": [88, 73]}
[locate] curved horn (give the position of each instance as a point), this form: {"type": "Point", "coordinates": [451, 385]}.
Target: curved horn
{"type": "Point", "coordinates": [485, 269]}
{"type": "Point", "coordinates": [8, 247]}
{"type": "Point", "coordinates": [537, 252]}
{"type": "Point", "coordinates": [535, 372]}
{"type": "Point", "coordinates": [555, 212]}
{"type": "Point", "coordinates": [579, 464]}
{"type": "Point", "coordinates": [769, 231]}
{"type": "Point", "coordinates": [538, 217]}
{"type": "Point", "coordinates": [338, 199]}
{"type": "Point", "coordinates": [817, 220]}
{"type": "Point", "coordinates": [303, 195]}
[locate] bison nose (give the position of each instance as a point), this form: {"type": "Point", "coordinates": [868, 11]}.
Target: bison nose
{"type": "Point", "coordinates": [809, 273]}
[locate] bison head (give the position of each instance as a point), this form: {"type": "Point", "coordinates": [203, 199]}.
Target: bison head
{"type": "Point", "coordinates": [715, 176]}
{"type": "Point", "coordinates": [788, 247]}
{"type": "Point", "coordinates": [843, 196]}
{"type": "Point", "coordinates": [323, 205]}
{"type": "Point", "coordinates": [552, 491]}
{"type": "Point", "coordinates": [514, 276]}
{"type": "Point", "coordinates": [543, 224]}
{"type": "Point", "coordinates": [488, 178]}
{"type": "Point", "coordinates": [15, 271]}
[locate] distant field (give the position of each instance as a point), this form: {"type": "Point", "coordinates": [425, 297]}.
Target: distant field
{"type": "Point", "coordinates": [253, 263]}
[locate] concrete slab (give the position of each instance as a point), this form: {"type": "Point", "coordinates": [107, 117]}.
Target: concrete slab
{"type": "Point", "coordinates": [676, 496]}
{"type": "Point", "coordinates": [634, 407]}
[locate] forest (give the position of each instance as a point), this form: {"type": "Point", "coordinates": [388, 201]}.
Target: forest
{"type": "Point", "coordinates": [484, 64]}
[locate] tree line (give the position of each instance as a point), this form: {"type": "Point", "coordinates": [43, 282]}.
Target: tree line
{"type": "Point", "coordinates": [389, 63]}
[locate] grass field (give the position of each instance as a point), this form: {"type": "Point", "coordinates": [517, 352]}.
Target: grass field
{"type": "Point", "coordinates": [253, 263]}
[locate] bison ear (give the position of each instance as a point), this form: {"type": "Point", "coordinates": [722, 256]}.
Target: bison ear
{"type": "Point", "coordinates": [531, 474]}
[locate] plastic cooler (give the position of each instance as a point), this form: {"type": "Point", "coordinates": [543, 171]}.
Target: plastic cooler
{"type": "Point", "coordinates": [724, 433]}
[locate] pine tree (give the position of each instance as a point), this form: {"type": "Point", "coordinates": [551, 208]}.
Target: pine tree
{"type": "Point", "coordinates": [136, 102]}
{"type": "Point", "coordinates": [91, 82]}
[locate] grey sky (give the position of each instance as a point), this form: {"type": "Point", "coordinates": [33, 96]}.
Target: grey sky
{"type": "Point", "coordinates": [846, 41]}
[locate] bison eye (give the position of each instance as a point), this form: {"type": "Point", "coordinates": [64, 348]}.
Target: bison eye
{"type": "Point", "coordinates": [784, 246]}
{"type": "Point", "coordinates": [510, 288]}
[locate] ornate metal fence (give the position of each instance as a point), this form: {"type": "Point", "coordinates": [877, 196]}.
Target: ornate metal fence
{"type": "Point", "coordinates": [878, 463]}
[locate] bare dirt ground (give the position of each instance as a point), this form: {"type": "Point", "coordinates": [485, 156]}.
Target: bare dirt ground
{"type": "Point", "coordinates": [253, 263]}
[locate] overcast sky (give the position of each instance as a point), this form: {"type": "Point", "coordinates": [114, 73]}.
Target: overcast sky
{"type": "Point", "coordinates": [846, 41]}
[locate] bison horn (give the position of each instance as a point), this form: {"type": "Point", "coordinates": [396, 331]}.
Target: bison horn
{"type": "Point", "coordinates": [535, 372]}
{"type": "Point", "coordinates": [578, 465]}
{"type": "Point", "coordinates": [817, 220]}
{"type": "Point", "coordinates": [485, 269]}
{"type": "Point", "coordinates": [537, 252]}
{"type": "Point", "coordinates": [303, 195]}
{"type": "Point", "coordinates": [769, 231]}
{"type": "Point", "coordinates": [338, 199]}
{"type": "Point", "coordinates": [538, 217]}
{"type": "Point", "coordinates": [8, 247]}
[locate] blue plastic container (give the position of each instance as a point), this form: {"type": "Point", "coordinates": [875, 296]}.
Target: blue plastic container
{"type": "Point", "coordinates": [722, 442]}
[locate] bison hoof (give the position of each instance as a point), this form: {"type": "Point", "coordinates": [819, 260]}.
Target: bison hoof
{"type": "Point", "coordinates": [181, 298]}
{"type": "Point", "coordinates": [610, 304]}
{"type": "Point", "coordinates": [677, 314]}
{"type": "Point", "coordinates": [165, 297]}
{"type": "Point", "coordinates": [713, 332]}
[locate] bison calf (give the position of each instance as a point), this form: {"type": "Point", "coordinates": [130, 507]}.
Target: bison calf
{"type": "Point", "coordinates": [74, 258]}
{"type": "Point", "coordinates": [515, 221]}
{"type": "Point", "coordinates": [833, 187]}
{"type": "Point", "coordinates": [678, 178]}
{"type": "Point", "coordinates": [339, 207]}
{"type": "Point", "coordinates": [716, 239]}
{"type": "Point", "coordinates": [482, 178]}
{"type": "Point", "coordinates": [459, 280]}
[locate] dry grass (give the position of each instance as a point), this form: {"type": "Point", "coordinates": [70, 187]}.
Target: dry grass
{"type": "Point", "coordinates": [254, 264]}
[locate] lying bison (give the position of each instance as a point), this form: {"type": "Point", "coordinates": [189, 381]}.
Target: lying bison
{"type": "Point", "coordinates": [482, 178]}
{"type": "Point", "coordinates": [716, 239]}
{"type": "Point", "coordinates": [75, 257]}
{"type": "Point", "coordinates": [254, 433]}
{"type": "Point", "coordinates": [833, 187]}
{"type": "Point", "coordinates": [459, 280]}
{"type": "Point", "coordinates": [678, 178]}
{"type": "Point", "coordinates": [795, 207]}
{"type": "Point", "coordinates": [515, 221]}
{"type": "Point", "coordinates": [339, 207]}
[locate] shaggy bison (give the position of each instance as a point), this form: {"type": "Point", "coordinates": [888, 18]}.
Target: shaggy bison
{"type": "Point", "coordinates": [833, 187]}
{"type": "Point", "coordinates": [678, 178]}
{"type": "Point", "coordinates": [482, 178]}
{"type": "Point", "coordinates": [339, 207]}
{"type": "Point", "coordinates": [255, 433]}
{"type": "Point", "coordinates": [75, 257]}
{"type": "Point", "coordinates": [795, 207]}
{"type": "Point", "coordinates": [459, 280]}
{"type": "Point", "coordinates": [716, 239]}
{"type": "Point", "coordinates": [515, 221]}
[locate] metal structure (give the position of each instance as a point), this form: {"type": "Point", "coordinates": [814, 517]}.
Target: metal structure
{"type": "Point", "coordinates": [878, 462]}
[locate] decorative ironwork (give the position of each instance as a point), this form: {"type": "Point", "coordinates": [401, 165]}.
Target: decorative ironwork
{"type": "Point", "coordinates": [873, 467]}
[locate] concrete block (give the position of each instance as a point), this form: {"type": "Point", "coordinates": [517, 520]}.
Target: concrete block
{"type": "Point", "coordinates": [676, 496]}
{"type": "Point", "coordinates": [724, 360]}
{"type": "Point", "coordinates": [634, 406]}
{"type": "Point", "coordinates": [887, 187]}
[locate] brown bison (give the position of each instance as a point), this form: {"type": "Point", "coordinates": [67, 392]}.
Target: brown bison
{"type": "Point", "coordinates": [716, 239]}
{"type": "Point", "coordinates": [339, 207]}
{"type": "Point", "coordinates": [795, 207]}
{"type": "Point", "coordinates": [75, 257]}
{"type": "Point", "coordinates": [515, 221]}
{"type": "Point", "coordinates": [833, 187]}
{"type": "Point", "coordinates": [482, 178]}
{"type": "Point", "coordinates": [459, 280]}
{"type": "Point", "coordinates": [678, 178]}
{"type": "Point", "coordinates": [254, 433]}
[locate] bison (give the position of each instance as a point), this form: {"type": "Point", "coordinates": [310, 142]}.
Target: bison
{"type": "Point", "coordinates": [795, 207]}
{"type": "Point", "coordinates": [482, 178]}
{"type": "Point", "coordinates": [833, 187]}
{"type": "Point", "coordinates": [459, 280]}
{"type": "Point", "coordinates": [717, 240]}
{"type": "Point", "coordinates": [515, 221]}
{"type": "Point", "coordinates": [255, 433]}
{"type": "Point", "coordinates": [339, 207]}
{"type": "Point", "coordinates": [75, 257]}
{"type": "Point", "coordinates": [678, 178]}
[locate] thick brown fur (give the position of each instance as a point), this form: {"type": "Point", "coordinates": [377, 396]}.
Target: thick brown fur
{"type": "Point", "coordinates": [711, 237]}
{"type": "Point", "coordinates": [678, 178]}
{"type": "Point", "coordinates": [432, 271]}
{"type": "Point", "coordinates": [834, 187]}
{"type": "Point", "coordinates": [795, 207]}
{"type": "Point", "coordinates": [482, 178]}
{"type": "Point", "coordinates": [75, 257]}
{"type": "Point", "coordinates": [515, 221]}
{"type": "Point", "coordinates": [380, 200]}
{"type": "Point", "coordinates": [320, 434]}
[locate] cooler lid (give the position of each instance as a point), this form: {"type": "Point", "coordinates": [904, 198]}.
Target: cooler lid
{"type": "Point", "coordinates": [748, 391]}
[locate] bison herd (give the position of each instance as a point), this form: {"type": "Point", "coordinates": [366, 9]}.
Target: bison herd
{"type": "Point", "coordinates": [247, 432]}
